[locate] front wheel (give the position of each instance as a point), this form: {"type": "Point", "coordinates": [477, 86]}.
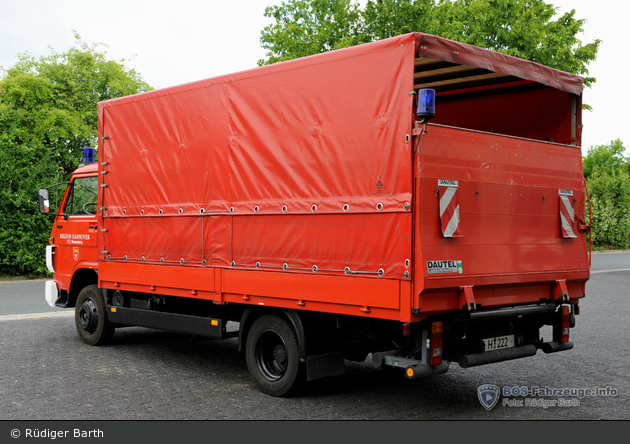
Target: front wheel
{"type": "Point", "coordinates": [273, 358]}
{"type": "Point", "coordinates": [90, 317]}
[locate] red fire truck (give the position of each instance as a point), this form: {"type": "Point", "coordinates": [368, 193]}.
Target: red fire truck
{"type": "Point", "coordinates": [415, 199]}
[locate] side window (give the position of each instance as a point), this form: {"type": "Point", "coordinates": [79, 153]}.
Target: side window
{"type": "Point", "coordinates": [83, 196]}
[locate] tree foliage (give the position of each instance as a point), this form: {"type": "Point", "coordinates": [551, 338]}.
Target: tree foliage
{"type": "Point", "coordinates": [306, 27]}
{"type": "Point", "coordinates": [522, 28]}
{"type": "Point", "coordinates": [606, 159]}
{"type": "Point", "coordinates": [607, 173]}
{"type": "Point", "coordinates": [48, 113]}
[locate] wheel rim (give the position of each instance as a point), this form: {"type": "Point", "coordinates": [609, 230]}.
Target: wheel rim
{"type": "Point", "coordinates": [271, 355]}
{"type": "Point", "coordinates": [88, 316]}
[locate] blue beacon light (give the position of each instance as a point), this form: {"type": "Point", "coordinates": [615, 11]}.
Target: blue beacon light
{"type": "Point", "coordinates": [88, 155]}
{"type": "Point", "coordinates": [426, 104]}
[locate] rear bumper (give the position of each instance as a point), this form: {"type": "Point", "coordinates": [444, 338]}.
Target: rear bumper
{"type": "Point", "coordinates": [475, 359]}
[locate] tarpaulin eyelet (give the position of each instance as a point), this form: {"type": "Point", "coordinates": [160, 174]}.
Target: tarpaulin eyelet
{"type": "Point", "coordinates": [181, 210]}
{"type": "Point", "coordinates": [181, 261]}
{"type": "Point", "coordinates": [346, 270]}
{"type": "Point", "coordinates": [381, 272]}
{"type": "Point", "coordinates": [141, 212]}
{"type": "Point", "coordinates": [160, 212]}
{"type": "Point", "coordinates": [284, 208]}
{"type": "Point", "coordinates": [201, 210]}
{"type": "Point", "coordinates": [314, 208]}
{"type": "Point", "coordinates": [231, 209]}
{"type": "Point", "coordinates": [233, 264]}
{"type": "Point", "coordinates": [345, 207]}
{"type": "Point", "coordinates": [314, 268]}
{"type": "Point", "coordinates": [124, 212]}
{"type": "Point", "coordinates": [256, 209]}
{"type": "Point", "coordinates": [379, 206]}
{"type": "Point", "coordinates": [285, 267]}
{"type": "Point", "coordinates": [257, 264]}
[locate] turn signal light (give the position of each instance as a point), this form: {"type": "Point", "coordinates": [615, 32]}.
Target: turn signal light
{"type": "Point", "coordinates": [435, 350]}
{"type": "Point", "coordinates": [565, 323]}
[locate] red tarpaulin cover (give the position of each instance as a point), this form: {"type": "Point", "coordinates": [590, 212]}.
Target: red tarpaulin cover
{"type": "Point", "coordinates": [324, 137]}
{"type": "Point", "coordinates": [434, 47]}
{"type": "Point", "coordinates": [304, 163]}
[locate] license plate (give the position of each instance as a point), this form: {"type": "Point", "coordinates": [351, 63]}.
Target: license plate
{"type": "Point", "coordinates": [498, 343]}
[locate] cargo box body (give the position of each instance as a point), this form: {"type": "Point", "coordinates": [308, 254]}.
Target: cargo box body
{"type": "Point", "coordinates": [297, 184]}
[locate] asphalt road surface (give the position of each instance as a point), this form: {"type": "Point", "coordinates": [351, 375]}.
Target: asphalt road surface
{"type": "Point", "coordinates": [46, 373]}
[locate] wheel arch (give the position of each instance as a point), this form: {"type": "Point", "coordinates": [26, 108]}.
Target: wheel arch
{"type": "Point", "coordinates": [81, 278]}
{"type": "Point", "coordinates": [250, 314]}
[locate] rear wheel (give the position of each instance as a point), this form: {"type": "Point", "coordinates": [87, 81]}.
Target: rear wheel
{"type": "Point", "coordinates": [90, 317]}
{"type": "Point", "coordinates": [273, 356]}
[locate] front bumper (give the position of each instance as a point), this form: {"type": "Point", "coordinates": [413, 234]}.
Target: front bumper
{"type": "Point", "coordinates": [52, 293]}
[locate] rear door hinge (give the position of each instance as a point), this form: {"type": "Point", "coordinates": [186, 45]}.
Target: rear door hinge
{"type": "Point", "coordinates": [560, 292]}
{"type": "Point", "coordinates": [467, 298]}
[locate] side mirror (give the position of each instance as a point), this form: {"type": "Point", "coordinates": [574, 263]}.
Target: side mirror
{"type": "Point", "coordinates": [43, 200]}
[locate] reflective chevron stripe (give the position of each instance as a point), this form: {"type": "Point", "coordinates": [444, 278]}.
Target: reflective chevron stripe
{"type": "Point", "coordinates": [449, 208]}
{"type": "Point", "coordinates": [567, 215]}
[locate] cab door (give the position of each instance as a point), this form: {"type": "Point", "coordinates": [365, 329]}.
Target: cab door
{"type": "Point", "coordinates": [75, 230]}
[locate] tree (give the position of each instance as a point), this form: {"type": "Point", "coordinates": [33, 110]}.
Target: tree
{"type": "Point", "coordinates": [306, 27]}
{"type": "Point", "coordinates": [48, 113]}
{"type": "Point", "coordinates": [606, 170]}
{"type": "Point", "coordinates": [606, 159]}
{"type": "Point", "coordinates": [522, 28]}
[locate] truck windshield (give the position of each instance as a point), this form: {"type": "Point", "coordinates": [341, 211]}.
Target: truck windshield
{"type": "Point", "coordinates": [83, 196]}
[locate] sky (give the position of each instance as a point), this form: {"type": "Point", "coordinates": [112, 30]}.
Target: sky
{"type": "Point", "coordinates": [175, 42]}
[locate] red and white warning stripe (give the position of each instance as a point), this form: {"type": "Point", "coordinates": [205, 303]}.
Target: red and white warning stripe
{"type": "Point", "coordinates": [567, 214]}
{"type": "Point", "coordinates": [449, 208]}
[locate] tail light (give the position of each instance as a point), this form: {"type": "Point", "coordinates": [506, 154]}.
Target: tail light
{"type": "Point", "coordinates": [565, 323]}
{"type": "Point", "coordinates": [435, 349]}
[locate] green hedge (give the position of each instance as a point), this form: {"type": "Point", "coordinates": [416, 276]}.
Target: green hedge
{"type": "Point", "coordinates": [607, 172]}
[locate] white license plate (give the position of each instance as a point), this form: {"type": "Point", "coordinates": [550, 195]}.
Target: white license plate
{"type": "Point", "coordinates": [498, 343]}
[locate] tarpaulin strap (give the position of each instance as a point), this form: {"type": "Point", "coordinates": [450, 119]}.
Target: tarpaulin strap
{"type": "Point", "coordinates": [567, 214]}
{"type": "Point", "coordinates": [449, 208]}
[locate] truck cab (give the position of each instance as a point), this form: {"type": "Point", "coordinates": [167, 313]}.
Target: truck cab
{"type": "Point", "coordinates": [72, 253]}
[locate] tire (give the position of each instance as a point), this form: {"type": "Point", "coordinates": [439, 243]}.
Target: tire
{"type": "Point", "coordinates": [90, 317]}
{"type": "Point", "coordinates": [273, 358]}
